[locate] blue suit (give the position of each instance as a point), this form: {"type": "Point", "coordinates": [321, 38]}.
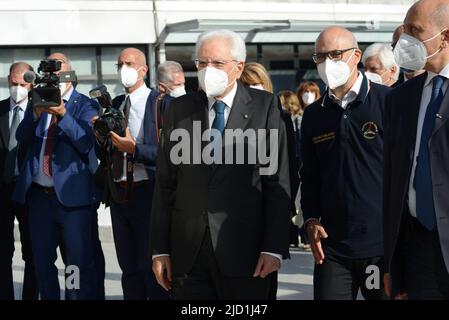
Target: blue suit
{"type": "Point", "coordinates": [65, 212]}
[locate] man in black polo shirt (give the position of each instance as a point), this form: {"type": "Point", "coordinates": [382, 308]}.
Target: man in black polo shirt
{"type": "Point", "coordinates": [341, 193]}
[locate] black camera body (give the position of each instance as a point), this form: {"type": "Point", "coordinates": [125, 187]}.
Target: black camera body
{"type": "Point", "coordinates": [110, 119]}
{"type": "Point", "coordinates": [46, 92]}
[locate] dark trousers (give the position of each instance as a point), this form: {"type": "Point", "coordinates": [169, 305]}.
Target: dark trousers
{"type": "Point", "coordinates": [100, 266]}
{"type": "Point", "coordinates": [131, 229]}
{"type": "Point", "coordinates": [423, 275]}
{"type": "Point", "coordinates": [206, 282]}
{"type": "Point", "coordinates": [8, 211]}
{"type": "Point", "coordinates": [340, 278]}
{"type": "Point", "coordinates": [51, 223]}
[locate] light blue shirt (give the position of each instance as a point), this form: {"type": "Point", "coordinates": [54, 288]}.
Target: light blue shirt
{"type": "Point", "coordinates": [41, 178]}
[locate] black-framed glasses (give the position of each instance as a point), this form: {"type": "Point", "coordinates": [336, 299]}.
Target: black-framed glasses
{"type": "Point", "coordinates": [219, 64]}
{"type": "Point", "coordinates": [334, 55]}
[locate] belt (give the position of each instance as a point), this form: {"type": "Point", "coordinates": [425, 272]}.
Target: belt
{"type": "Point", "coordinates": [124, 184]}
{"type": "Point", "coordinates": [46, 190]}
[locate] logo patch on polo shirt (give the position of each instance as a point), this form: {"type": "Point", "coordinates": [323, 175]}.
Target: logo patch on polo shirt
{"type": "Point", "coordinates": [369, 130]}
{"type": "Point", "coordinates": [323, 137]}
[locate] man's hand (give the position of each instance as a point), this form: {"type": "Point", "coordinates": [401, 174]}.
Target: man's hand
{"type": "Point", "coordinates": [57, 111]}
{"type": "Point", "coordinates": [124, 144]}
{"type": "Point", "coordinates": [266, 265]}
{"type": "Point", "coordinates": [387, 288]}
{"type": "Point", "coordinates": [162, 271]}
{"type": "Point", "coordinates": [316, 231]}
{"type": "Point", "coordinates": [99, 137]}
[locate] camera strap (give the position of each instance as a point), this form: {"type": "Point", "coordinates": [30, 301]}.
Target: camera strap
{"type": "Point", "coordinates": [159, 115]}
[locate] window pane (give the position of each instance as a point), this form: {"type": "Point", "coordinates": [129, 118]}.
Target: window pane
{"type": "Point", "coordinates": [83, 60]}
{"type": "Point", "coordinates": [9, 56]}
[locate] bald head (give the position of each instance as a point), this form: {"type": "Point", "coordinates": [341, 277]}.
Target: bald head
{"type": "Point", "coordinates": [16, 72]}
{"type": "Point", "coordinates": [135, 59]}
{"type": "Point", "coordinates": [428, 21]}
{"type": "Point", "coordinates": [335, 38]}
{"type": "Point", "coordinates": [135, 55]}
{"type": "Point", "coordinates": [65, 61]}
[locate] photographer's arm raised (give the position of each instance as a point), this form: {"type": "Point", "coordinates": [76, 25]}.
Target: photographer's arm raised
{"type": "Point", "coordinates": [79, 129]}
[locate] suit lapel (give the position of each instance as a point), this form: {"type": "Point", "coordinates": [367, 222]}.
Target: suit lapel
{"type": "Point", "coordinates": [241, 111]}
{"type": "Point", "coordinates": [411, 111]}
{"type": "Point", "coordinates": [4, 122]}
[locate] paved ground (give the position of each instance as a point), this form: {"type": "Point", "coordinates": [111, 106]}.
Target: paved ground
{"type": "Point", "coordinates": [295, 277]}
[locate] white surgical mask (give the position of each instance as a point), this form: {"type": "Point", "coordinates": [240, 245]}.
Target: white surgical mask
{"type": "Point", "coordinates": [308, 97]}
{"type": "Point", "coordinates": [335, 73]}
{"type": "Point", "coordinates": [257, 86]}
{"type": "Point", "coordinates": [374, 77]}
{"type": "Point", "coordinates": [18, 93]}
{"type": "Point", "coordinates": [178, 91]}
{"type": "Point", "coordinates": [411, 53]}
{"type": "Point", "coordinates": [128, 76]}
{"type": "Point", "coordinates": [213, 81]}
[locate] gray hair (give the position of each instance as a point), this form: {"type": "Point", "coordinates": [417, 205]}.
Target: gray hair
{"type": "Point", "coordinates": [236, 43]}
{"type": "Point", "coordinates": [385, 54]}
{"type": "Point", "coordinates": [166, 70]}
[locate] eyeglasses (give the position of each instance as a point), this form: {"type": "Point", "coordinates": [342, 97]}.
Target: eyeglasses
{"type": "Point", "coordinates": [334, 55]}
{"type": "Point", "coordinates": [219, 64]}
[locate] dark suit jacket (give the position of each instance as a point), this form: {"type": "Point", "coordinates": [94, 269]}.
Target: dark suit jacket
{"type": "Point", "coordinates": [401, 117]}
{"type": "Point", "coordinates": [74, 161]}
{"type": "Point", "coordinates": [247, 212]}
{"type": "Point", "coordinates": [4, 138]}
{"type": "Point", "coordinates": [293, 162]}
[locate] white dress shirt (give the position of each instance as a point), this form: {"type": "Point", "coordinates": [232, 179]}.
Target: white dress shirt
{"type": "Point", "coordinates": [135, 124]}
{"type": "Point", "coordinates": [425, 100]}
{"type": "Point", "coordinates": [229, 101]}
{"type": "Point", "coordinates": [41, 178]}
{"type": "Point", "coordinates": [22, 108]}
{"type": "Point", "coordinates": [351, 95]}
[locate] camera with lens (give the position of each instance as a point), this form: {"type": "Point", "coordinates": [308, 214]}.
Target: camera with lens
{"type": "Point", "coordinates": [110, 119]}
{"type": "Point", "coordinates": [46, 92]}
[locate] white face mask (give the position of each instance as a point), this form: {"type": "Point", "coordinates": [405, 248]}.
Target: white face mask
{"type": "Point", "coordinates": [335, 73]}
{"type": "Point", "coordinates": [178, 91]}
{"type": "Point", "coordinates": [308, 97]}
{"type": "Point", "coordinates": [411, 53]}
{"type": "Point", "coordinates": [257, 86]}
{"type": "Point", "coordinates": [128, 76]}
{"type": "Point", "coordinates": [18, 93]}
{"type": "Point", "coordinates": [213, 81]}
{"type": "Point", "coordinates": [374, 77]}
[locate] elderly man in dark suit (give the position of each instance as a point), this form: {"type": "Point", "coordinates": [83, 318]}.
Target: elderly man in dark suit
{"type": "Point", "coordinates": [416, 203]}
{"type": "Point", "coordinates": [219, 231]}
{"type": "Point", "coordinates": [12, 111]}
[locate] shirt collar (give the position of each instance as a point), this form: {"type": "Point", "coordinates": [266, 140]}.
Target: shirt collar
{"type": "Point", "coordinates": [68, 94]}
{"type": "Point", "coordinates": [351, 95]}
{"type": "Point", "coordinates": [431, 75]}
{"type": "Point", "coordinates": [138, 93]}
{"type": "Point", "coordinates": [22, 105]}
{"type": "Point", "coordinates": [228, 99]}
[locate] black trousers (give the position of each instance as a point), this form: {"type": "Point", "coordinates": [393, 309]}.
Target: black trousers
{"type": "Point", "coordinates": [206, 282]}
{"type": "Point", "coordinates": [340, 278]}
{"type": "Point", "coordinates": [131, 229]}
{"type": "Point", "coordinates": [8, 211]}
{"type": "Point", "coordinates": [423, 274]}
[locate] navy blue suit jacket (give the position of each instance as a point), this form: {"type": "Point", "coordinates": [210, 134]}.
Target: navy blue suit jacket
{"type": "Point", "coordinates": [73, 161]}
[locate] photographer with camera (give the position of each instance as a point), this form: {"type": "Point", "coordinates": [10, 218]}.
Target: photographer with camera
{"type": "Point", "coordinates": [57, 181]}
{"type": "Point", "coordinates": [12, 111]}
{"type": "Point", "coordinates": [133, 155]}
